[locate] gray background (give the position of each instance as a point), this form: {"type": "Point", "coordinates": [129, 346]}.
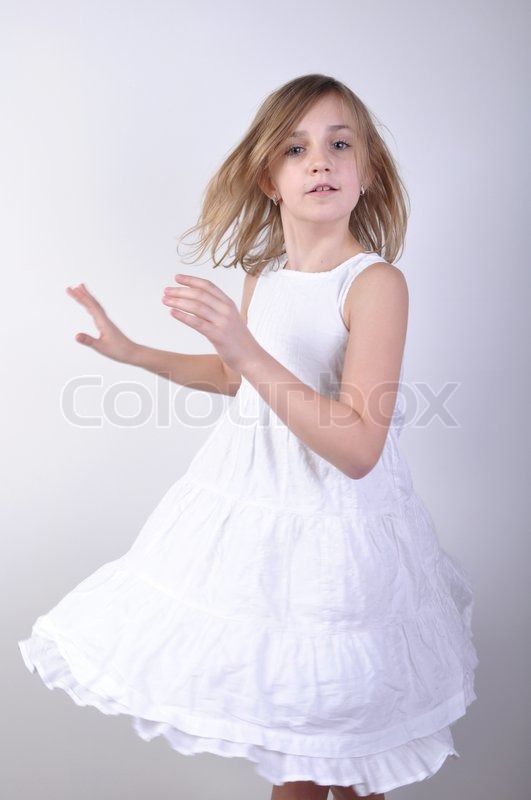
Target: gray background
{"type": "Point", "coordinates": [114, 116]}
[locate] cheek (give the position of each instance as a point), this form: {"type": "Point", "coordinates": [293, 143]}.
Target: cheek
{"type": "Point", "coordinates": [279, 167]}
{"type": "Point", "coordinates": [286, 178]}
{"type": "Point", "coordinates": [354, 179]}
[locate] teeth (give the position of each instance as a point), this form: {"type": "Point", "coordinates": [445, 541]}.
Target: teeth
{"type": "Point", "coordinates": [323, 189]}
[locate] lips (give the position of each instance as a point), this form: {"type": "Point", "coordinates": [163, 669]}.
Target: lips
{"type": "Point", "coordinates": [323, 187]}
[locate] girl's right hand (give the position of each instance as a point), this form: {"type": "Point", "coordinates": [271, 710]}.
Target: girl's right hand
{"type": "Point", "coordinates": [111, 341]}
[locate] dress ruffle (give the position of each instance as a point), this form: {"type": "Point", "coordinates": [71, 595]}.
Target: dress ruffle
{"type": "Point", "coordinates": [376, 772]}
{"type": "Point", "coordinates": [269, 660]}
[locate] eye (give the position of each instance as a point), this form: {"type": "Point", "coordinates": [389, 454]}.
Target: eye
{"type": "Point", "coordinates": [344, 145]}
{"type": "Point", "coordinates": [291, 150]}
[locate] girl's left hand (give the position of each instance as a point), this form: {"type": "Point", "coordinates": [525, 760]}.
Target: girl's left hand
{"type": "Point", "coordinates": [201, 305]}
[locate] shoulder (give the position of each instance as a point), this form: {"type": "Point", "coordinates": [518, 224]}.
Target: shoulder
{"type": "Point", "coordinates": [379, 284]}
{"type": "Point", "coordinates": [249, 284]}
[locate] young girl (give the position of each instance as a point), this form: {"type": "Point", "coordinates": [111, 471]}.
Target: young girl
{"type": "Point", "coordinates": [288, 600]}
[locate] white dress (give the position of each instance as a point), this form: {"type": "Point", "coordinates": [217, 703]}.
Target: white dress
{"type": "Point", "coordinates": [271, 607]}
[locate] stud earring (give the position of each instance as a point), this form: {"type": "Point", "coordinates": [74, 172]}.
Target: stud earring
{"type": "Point", "coordinates": [362, 190]}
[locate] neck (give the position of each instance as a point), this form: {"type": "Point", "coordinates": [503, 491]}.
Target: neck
{"type": "Point", "coordinates": [315, 248]}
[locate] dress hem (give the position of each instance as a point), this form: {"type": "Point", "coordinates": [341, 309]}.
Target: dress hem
{"type": "Point", "coordinates": [414, 760]}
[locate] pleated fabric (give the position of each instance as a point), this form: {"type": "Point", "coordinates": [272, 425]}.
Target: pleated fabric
{"type": "Point", "coordinates": [272, 608]}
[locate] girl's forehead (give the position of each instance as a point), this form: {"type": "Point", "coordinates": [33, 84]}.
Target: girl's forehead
{"type": "Point", "coordinates": [330, 108]}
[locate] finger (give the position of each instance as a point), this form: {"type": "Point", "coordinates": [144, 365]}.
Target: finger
{"type": "Point", "coordinates": [189, 319]}
{"type": "Point", "coordinates": [200, 283]}
{"type": "Point", "coordinates": [202, 310]}
{"type": "Point", "coordinates": [84, 338]}
{"type": "Point", "coordinates": [197, 301]}
{"type": "Point", "coordinates": [75, 292]}
{"type": "Point", "coordinates": [83, 296]}
{"type": "Point", "coordinates": [88, 294]}
{"type": "Point", "coordinates": [89, 302]}
{"type": "Point", "coordinates": [78, 291]}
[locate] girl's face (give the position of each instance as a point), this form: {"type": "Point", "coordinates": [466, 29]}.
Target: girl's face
{"type": "Point", "coordinates": [319, 152]}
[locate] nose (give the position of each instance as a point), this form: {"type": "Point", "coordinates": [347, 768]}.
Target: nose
{"type": "Point", "coordinates": [319, 161]}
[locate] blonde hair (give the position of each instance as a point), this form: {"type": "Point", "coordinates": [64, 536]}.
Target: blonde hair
{"type": "Point", "coordinates": [239, 222]}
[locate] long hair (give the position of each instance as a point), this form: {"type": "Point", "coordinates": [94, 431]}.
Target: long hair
{"type": "Point", "coordinates": [240, 225]}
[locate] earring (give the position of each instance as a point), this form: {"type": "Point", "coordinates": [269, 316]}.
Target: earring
{"type": "Point", "coordinates": [275, 199]}
{"type": "Point", "coordinates": [362, 190]}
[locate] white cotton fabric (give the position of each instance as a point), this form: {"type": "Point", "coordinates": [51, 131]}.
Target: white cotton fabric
{"type": "Point", "coordinates": [271, 607]}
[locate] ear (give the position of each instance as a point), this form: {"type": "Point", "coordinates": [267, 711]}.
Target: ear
{"type": "Point", "coordinates": [265, 183]}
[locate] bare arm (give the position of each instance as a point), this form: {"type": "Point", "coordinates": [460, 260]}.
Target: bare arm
{"type": "Point", "coordinates": [206, 372]}
{"type": "Point", "coordinates": [350, 432]}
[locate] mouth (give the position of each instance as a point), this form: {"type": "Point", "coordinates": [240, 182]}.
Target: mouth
{"type": "Point", "coordinates": [323, 187]}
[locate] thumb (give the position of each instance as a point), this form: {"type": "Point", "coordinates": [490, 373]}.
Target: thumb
{"type": "Point", "coordinates": [84, 338]}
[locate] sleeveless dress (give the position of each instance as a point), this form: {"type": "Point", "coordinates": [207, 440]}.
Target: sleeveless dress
{"type": "Point", "coordinates": [271, 607]}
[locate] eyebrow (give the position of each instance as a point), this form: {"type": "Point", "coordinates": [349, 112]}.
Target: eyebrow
{"type": "Point", "coordinates": [330, 128]}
